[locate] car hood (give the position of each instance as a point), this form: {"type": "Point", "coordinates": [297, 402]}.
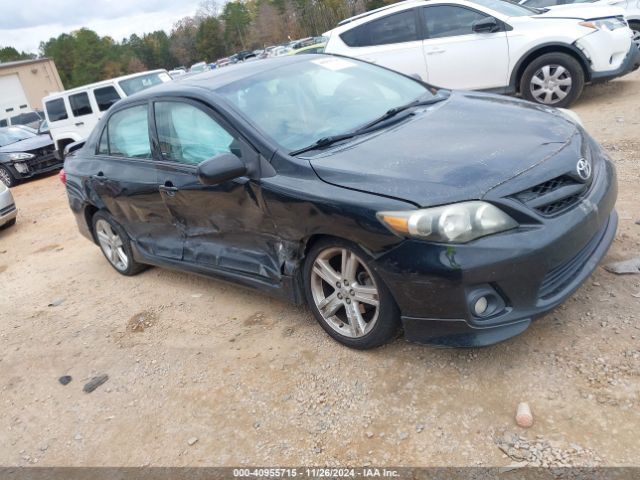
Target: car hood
{"type": "Point", "coordinates": [456, 150]}
{"type": "Point", "coordinates": [28, 144]}
{"type": "Point", "coordinates": [581, 11]}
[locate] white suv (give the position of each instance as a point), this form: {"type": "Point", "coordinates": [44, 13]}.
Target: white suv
{"type": "Point", "coordinates": [493, 45]}
{"type": "Point", "coordinates": [72, 114]}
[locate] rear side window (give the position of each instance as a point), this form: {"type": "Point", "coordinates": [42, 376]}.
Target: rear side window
{"type": "Point", "coordinates": [449, 21]}
{"type": "Point", "coordinates": [105, 97]}
{"type": "Point", "coordinates": [397, 28]}
{"type": "Point", "coordinates": [127, 134]}
{"type": "Point", "coordinates": [56, 110]}
{"type": "Point", "coordinates": [80, 104]}
{"type": "Point", "coordinates": [3, 123]}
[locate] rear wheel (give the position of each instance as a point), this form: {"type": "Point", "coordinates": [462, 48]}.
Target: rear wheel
{"type": "Point", "coordinates": [7, 177]}
{"type": "Point", "coordinates": [347, 297]}
{"type": "Point", "coordinates": [554, 79]}
{"type": "Point", "coordinates": [115, 245]}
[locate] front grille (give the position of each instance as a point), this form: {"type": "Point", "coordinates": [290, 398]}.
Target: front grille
{"type": "Point", "coordinates": [45, 158]}
{"type": "Point", "coordinates": [6, 210]}
{"type": "Point", "coordinates": [557, 279]}
{"type": "Point", "coordinates": [553, 196]}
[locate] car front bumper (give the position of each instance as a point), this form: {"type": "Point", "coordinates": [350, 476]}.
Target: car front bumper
{"type": "Point", "coordinates": [41, 164]}
{"type": "Point", "coordinates": [630, 63]}
{"type": "Point", "coordinates": [8, 210]}
{"type": "Point", "coordinates": [530, 270]}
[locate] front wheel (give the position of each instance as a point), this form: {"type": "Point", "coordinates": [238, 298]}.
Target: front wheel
{"type": "Point", "coordinates": [7, 177]}
{"type": "Point", "coordinates": [347, 297]}
{"type": "Point", "coordinates": [635, 29]}
{"type": "Point", "coordinates": [554, 79]}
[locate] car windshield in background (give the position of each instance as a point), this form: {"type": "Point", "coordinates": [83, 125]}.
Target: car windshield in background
{"type": "Point", "coordinates": [507, 8]}
{"type": "Point", "coordinates": [25, 118]}
{"type": "Point", "coordinates": [11, 135]}
{"type": "Point", "coordinates": [300, 103]}
{"type": "Point", "coordinates": [137, 84]}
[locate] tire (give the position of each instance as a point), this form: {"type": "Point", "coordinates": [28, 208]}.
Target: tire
{"type": "Point", "coordinates": [635, 28]}
{"type": "Point", "coordinates": [554, 79]}
{"type": "Point", "coordinates": [7, 177]}
{"type": "Point", "coordinates": [115, 244]}
{"type": "Point", "coordinates": [10, 223]}
{"type": "Point", "coordinates": [356, 299]}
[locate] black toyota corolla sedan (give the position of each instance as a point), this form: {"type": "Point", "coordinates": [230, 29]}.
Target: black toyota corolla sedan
{"type": "Point", "coordinates": [380, 201]}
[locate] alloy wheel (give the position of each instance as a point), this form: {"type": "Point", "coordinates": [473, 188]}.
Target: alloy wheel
{"type": "Point", "coordinates": [345, 292]}
{"type": "Point", "coordinates": [550, 84]}
{"type": "Point", "coordinates": [111, 245]}
{"type": "Point", "coordinates": [5, 177]}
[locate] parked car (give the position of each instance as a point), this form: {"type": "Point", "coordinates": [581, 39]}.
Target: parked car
{"type": "Point", "coordinates": [315, 48]}
{"type": "Point", "coordinates": [199, 67]}
{"type": "Point", "coordinates": [8, 210]}
{"type": "Point", "coordinates": [223, 62]}
{"type": "Point", "coordinates": [72, 114]}
{"type": "Point", "coordinates": [544, 55]}
{"type": "Point", "coordinates": [177, 72]}
{"type": "Point", "coordinates": [631, 10]}
{"type": "Point", "coordinates": [335, 180]}
{"type": "Point", "coordinates": [24, 153]}
{"type": "Point", "coordinates": [30, 119]}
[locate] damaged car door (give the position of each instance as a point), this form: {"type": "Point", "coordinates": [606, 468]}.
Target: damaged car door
{"type": "Point", "coordinates": [223, 226]}
{"type": "Point", "coordinates": [125, 180]}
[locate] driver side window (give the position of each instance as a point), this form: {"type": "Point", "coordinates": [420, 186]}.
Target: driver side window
{"type": "Point", "coordinates": [189, 135]}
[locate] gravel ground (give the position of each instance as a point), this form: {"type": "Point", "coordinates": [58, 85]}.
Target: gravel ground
{"type": "Point", "coordinates": [204, 373]}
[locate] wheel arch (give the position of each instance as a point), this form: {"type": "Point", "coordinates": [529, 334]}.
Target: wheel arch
{"type": "Point", "coordinates": [89, 211]}
{"type": "Point", "coordinates": [539, 50]}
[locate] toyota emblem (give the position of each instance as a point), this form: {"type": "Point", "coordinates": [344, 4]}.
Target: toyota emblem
{"type": "Point", "coordinates": [584, 169]}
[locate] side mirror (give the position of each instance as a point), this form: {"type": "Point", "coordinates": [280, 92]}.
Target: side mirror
{"type": "Point", "coordinates": [486, 25]}
{"type": "Point", "coordinates": [221, 168]}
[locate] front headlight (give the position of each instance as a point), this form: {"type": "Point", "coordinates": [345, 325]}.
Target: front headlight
{"type": "Point", "coordinates": [456, 223]}
{"type": "Point", "coordinates": [571, 115]}
{"type": "Point", "coordinates": [611, 23]}
{"type": "Point", "coordinates": [21, 156]}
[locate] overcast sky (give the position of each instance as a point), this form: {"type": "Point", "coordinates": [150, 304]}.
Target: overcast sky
{"type": "Point", "coordinates": [25, 23]}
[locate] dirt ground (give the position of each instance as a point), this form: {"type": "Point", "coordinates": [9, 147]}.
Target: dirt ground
{"type": "Point", "coordinates": [254, 381]}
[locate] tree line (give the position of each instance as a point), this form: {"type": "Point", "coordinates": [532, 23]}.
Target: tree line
{"type": "Point", "coordinates": [212, 32]}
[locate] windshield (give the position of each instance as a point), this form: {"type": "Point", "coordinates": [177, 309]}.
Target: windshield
{"type": "Point", "coordinates": [137, 84]}
{"type": "Point", "coordinates": [300, 103]}
{"type": "Point", "coordinates": [11, 135]}
{"type": "Point", "coordinates": [507, 8]}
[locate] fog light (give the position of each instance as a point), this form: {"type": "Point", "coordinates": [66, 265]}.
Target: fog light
{"type": "Point", "coordinates": [21, 167]}
{"type": "Point", "coordinates": [480, 307]}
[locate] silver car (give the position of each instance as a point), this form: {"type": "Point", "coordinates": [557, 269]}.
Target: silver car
{"type": "Point", "coordinates": [8, 210]}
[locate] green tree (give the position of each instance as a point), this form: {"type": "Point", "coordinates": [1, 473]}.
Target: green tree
{"type": "Point", "coordinates": [210, 39]}
{"type": "Point", "coordinates": [236, 21]}
{"type": "Point", "coordinates": [10, 54]}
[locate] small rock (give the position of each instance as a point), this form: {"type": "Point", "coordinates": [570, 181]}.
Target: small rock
{"type": "Point", "coordinates": [78, 437]}
{"type": "Point", "coordinates": [196, 295]}
{"type": "Point", "coordinates": [403, 435]}
{"type": "Point", "coordinates": [94, 383]}
{"type": "Point", "coordinates": [524, 417]}
{"type": "Point", "coordinates": [369, 434]}
{"type": "Point", "coordinates": [625, 267]}
{"type": "Point", "coordinates": [192, 441]}
{"type": "Point", "coordinates": [419, 428]}
{"type": "Point", "coordinates": [65, 380]}
{"type": "Point", "coordinates": [56, 302]}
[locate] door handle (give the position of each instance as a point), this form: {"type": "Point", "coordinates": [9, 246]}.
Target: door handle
{"type": "Point", "coordinates": [99, 176]}
{"type": "Point", "coordinates": [435, 52]}
{"type": "Point", "coordinates": [168, 189]}
{"type": "Point", "coordinates": [79, 124]}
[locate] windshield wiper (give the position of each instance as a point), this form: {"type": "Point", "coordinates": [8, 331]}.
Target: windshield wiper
{"type": "Point", "coordinates": [326, 141]}
{"type": "Point", "coordinates": [439, 97]}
